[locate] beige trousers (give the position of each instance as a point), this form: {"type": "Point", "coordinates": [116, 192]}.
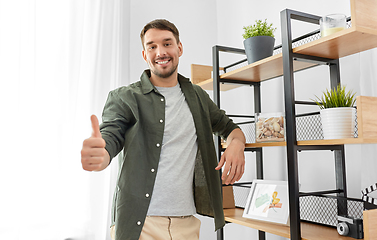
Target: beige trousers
{"type": "Point", "coordinates": [168, 228]}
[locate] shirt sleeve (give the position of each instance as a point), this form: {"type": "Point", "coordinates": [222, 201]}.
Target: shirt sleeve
{"type": "Point", "coordinates": [114, 124]}
{"type": "Point", "coordinates": [222, 125]}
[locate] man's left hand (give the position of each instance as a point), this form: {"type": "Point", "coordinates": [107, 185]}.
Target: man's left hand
{"type": "Point", "coordinates": [233, 158]}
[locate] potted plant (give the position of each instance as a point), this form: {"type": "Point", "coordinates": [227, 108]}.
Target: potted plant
{"type": "Point", "coordinates": [337, 113]}
{"type": "Point", "coordinates": [259, 40]}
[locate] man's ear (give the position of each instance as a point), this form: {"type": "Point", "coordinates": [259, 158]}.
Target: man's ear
{"type": "Point", "coordinates": [180, 47]}
{"type": "Point", "coordinates": [144, 55]}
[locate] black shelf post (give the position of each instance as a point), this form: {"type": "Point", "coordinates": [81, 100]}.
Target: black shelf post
{"type": "Point", "coordinates": [339, 156]}
{"type": "Point", "coordinates": [291, 137]}
{"type": "Point", "coordinates": [216, 99]}
{"type": "Point", "coordinates": [290, 111]}
{"type": "Point", "coordinates": [257, 108]}
{"type": "Point", "coordinates": [290, 115]}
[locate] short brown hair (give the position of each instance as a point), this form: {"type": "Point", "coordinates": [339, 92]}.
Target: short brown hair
{"type": "Point", "coordinates": [161, 24]}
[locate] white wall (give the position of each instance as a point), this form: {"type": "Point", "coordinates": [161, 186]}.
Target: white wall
{"type": "Point", "coordinates": [195, 20]}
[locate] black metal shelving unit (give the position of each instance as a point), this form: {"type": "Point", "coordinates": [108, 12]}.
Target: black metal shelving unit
{"type": "Point", "coordinates": [290, 114]}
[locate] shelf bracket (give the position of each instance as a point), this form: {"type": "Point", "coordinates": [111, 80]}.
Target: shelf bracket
{"type": "Point", "coordinates": [224, 80]}
{"type": "Point", "coordinates": [320, 147]}
{"type": "Point", "coordinates": [313, 59]}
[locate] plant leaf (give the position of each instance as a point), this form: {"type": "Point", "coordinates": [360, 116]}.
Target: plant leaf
{"type": "Point", "coordinates": [336, 97]}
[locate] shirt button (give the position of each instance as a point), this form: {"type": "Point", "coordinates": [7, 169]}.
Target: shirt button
{"type": "Point", "coordinates": [147, 195]}
{"type": "Point", "coordinates": [138, 223]}
{"type": "Point", "coordinates": [152, 170]}
{"type": "Point", "coordinates": [162, 99]}
{"type": "Point", "coordinates": [158, 145]}
{"type": "Point", "coordinates": [161, 120]}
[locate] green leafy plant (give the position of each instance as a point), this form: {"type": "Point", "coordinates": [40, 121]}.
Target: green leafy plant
{"type": "Point", "coordinates": [337, 97]}
{"type": "Point", "coordinates": [259, 29]}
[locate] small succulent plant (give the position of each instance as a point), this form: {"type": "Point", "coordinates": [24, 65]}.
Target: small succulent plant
{"type": "Point", "coordinates": [337, 97]}
{"type": "Point", "coordinates": [259, 29]}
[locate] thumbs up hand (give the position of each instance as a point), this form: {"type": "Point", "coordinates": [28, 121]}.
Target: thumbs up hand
{"type": "Point", "coordinates": [94, 156]}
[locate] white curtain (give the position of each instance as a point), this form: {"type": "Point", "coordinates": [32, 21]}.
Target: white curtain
{"type": "Point", "coordinates": [58, 61]}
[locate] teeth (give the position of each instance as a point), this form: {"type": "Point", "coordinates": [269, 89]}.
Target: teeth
{"type": "Point", "coordinates": [164, 62]}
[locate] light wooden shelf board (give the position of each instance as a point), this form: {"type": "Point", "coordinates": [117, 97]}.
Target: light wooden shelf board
{"type": "Point", "coordinates": [337, 141]}
{"type": "Point", "coordinates": [341, 44]}
{"type": "Point", "coordinates": [308, 230]}
{"type": "Point", "coordinates": [208, 85]}
{"type": "Point", "coordinates": [265, 144]}
{"type": "Point", "coordinates": [264, 69]}
{"type": "Point", "coordinates": [314, 142]}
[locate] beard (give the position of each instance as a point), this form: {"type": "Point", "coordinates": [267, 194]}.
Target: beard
{"type": "Point", "coordinates": [167, 74]}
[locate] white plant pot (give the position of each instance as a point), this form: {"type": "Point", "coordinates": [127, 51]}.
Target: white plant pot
{"type": "Point", "coordinates": [338, 122]}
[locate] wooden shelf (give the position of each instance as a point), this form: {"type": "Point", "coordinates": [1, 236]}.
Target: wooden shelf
{"type": "Point", "coordinates": [314, 142]}
{"type": "Point", "coordinates": [337, 141]}
{"type": "Point", "coordinates": [343, 43]}
{"type": "Point", "coordinates": [308, 230]}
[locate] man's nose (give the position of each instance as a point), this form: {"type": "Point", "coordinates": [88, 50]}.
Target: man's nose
{"type": "Point", "coordinates": [161, 52]}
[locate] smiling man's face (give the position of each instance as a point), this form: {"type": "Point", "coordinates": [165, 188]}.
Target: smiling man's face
{"type": "Point", "coordinates": [162, 52]}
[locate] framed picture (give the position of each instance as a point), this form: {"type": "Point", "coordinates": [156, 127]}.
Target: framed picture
{"type": "Point", "coordinates": [268, 201]}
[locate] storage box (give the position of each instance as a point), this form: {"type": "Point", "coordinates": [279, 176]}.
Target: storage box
{"type": "Point", "coordinates": [228, 196]}
{"type": "Point", "coordinates": [325, 209]}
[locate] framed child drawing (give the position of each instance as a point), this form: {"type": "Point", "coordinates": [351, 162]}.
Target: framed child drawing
{"type": "Point", "coordinates": [268, 201]}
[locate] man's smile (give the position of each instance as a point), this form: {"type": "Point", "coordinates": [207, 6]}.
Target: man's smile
{"type": "Point", "coordinates": [163, 61]}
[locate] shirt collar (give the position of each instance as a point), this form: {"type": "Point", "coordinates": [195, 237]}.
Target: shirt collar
{"type": "Point", "coordinates": [146, 84]}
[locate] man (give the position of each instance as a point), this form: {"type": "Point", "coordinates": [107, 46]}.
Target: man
{"type": "Point", "coordinates": [164, 124]}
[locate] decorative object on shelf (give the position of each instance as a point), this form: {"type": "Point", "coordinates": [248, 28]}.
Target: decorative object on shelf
{"type": "Point", "coordinates": [268, 201]}
{"type": "Point", "coordinates": [351, 227]}
{"type": "Point", "coordinates": [326, 208]}
{"type": "Point", "coordinates": [337, 113]}
{"type": "Point", "coordinates": [259, 40]}
{"type": "Point", "coordinates": [332, 23]}
{"type": "Point", "coordinates": [368, 190]}
{"type": "Point", "coordinates": [228, 196]}
{"type": "Point", "coordinates": [269, 127]}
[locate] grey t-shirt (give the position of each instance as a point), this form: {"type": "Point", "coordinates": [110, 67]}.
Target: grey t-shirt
{"type": "Point", "coordinates": [173, 189]}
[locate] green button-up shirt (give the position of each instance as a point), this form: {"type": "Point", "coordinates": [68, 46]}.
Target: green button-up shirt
{"type": "Point", "coordinates": [131, 120]}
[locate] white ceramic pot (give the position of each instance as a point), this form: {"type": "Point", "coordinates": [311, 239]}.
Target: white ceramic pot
{"type": "Point", "coordinates": [338, 122]}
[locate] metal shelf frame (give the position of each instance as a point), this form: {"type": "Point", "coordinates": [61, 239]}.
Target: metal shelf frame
{"type": "Point", "coordinates": [257, 106]}
{"type": "Point", "coordinates": [290, 113]}
{"type": "Point", "coordinates": [291, 137]}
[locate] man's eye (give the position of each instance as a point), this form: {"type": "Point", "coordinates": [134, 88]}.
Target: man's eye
{"type": "Point", "coordinates": [152, 47]}
{"type": "Point", "coordinates": [167, 44]}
